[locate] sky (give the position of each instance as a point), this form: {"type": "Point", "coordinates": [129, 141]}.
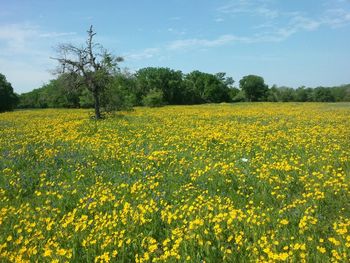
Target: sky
{"type": "Point", "coordinates": [289, 43]}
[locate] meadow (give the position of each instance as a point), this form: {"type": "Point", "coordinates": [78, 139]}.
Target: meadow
{"type": "Point", "coordinates": [250, 182]}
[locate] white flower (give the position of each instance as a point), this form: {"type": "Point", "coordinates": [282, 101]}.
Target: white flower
{"type": "Point", "coordinates": [244, 160]}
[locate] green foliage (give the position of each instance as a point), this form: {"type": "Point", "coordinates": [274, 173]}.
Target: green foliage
{"type": "Point", "coordinates": [282, 94]}
{"type": "Point", "coordinates": [86, 100]}
{"type": "Point", "coordinates": [194, 88]}
{"type": "Point", "coordinates": [272, 94]}
{"type": "Point", "coordinates": [254, 87]}
{"type": "Point", "coordinates": [239, 97]}
{"type": "Point", "coordinates": [58, 93]}
{"type": "Point", "coordinates": [233, 92]}
{"type": "Point", "coordinates": [163, 79]}
{"type": "Point", "coordinates": [322, 94]}
{"type": "Point", "coordinates": [228, 81]}
{"type": "Point", "coordinates": [303, 94]}
{"type": "Point", "coordinates": [118, 95]}
{"type": "Point", "coordinates": [8, 99]}
{"type": "Point", "coordinates": [155, 98]}
{"type": "Point", "coordinates": [341, 93]}
{"type": "Point", "coordinates": [207, 88]}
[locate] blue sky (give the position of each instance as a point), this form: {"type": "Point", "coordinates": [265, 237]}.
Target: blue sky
{"type": "Point", "coordinates": [289, 42]}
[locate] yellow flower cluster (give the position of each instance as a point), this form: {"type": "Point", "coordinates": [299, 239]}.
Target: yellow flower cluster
{"type": "Point", "coordinates": [263, 182]}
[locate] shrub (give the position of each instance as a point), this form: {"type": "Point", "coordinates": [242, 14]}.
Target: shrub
{"type": "Point", "coordinates": [155, 98]}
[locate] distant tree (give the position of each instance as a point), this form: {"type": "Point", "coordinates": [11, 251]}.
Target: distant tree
{"type": "Point", "coordinates": [164, 79]}
{"type": "Point", "coordinates": [239, 97]}
{"type": "Point", "coordinates": [57, 93]}
{"type": "Point", "coordinates": [272, 94]}
{"type": "Point", "coordinates": [119, 93]}
{"type": "Point", "coordinates": [254, 87]}
{"type": "Point", "coordinates": [286, 94]}
{"type": "Point", "coordinates": [154, 98]}
{"type": "Point", "coordinates": [303, 94]}
{"type": "Point", "coordinates": [208, 88]}
{"type": "Point", "coordinates": [86, 100]}
{"type": "Point", "coordinates": [8, 99]}
{"type": "Point", "coordinates": [194, 87]}
{"type": "Point", "coordinates": [91, 64]}
{"type": "Point", "coordinates": [228, 81]}
{"type": "Point", "coordinates": [322, 94]}
{"type": "Point", "coordinates": [341, 93]}
{"type": "Point", "coordinates": [233, 92]}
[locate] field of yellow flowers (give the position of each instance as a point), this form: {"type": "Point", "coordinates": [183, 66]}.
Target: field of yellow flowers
{"type": "Point", "coordinates": [211, 183]}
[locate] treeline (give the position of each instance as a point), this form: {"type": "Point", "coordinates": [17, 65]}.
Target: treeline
{"type": "Point", "coordinates": [163, 86]}
{"type": "Point", "coordinates": [148, 86]}
{"type": "Point", "coordinates": [304, 94]}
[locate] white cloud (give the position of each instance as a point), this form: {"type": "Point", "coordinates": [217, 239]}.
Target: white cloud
{"type": "Point", "coordinates": [250, 7]}
{"type": "Point", "coordinates": [25, 51]}
{"type": "Point", "coordinates": [183, 44]}
{"type": "Point", "coordinates": [271, 31]}
{"type": "Point", "coordinates": [16, 32]}
{"type": "Point", "coordinates": [200, 43]}
{"type": "Point", "coordinates": [56, 34]}
{"type": "Point", "coordinates": [233, 7]}
{"type": "Point", "coordinates": [177, 32]}
{"type": "Point", "coordinates": [25, 38]}
{"type": "Point", "coordinates": [279, 25]}
{"type": "Point", "coordinates": [336, 17]}
{"type": "Point", "coordinates": [143, 54]}
{"type": "Point", "coordinates": [219, 19]}
{"type": "Point", "coordinates": [15, 37]}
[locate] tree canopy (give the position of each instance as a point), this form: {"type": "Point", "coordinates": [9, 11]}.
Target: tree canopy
{"type": "Point", "coordinates": [254, 87]}
{"type": "Point", "coordinates": [8, 99]}
{"type": "Point", "coordinates": [166, 80]}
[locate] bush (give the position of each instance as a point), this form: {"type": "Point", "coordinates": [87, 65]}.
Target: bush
{"type": "Point", "coordinates": [240, 97]}
{"type": "Point", "coordinates": [155, 98]}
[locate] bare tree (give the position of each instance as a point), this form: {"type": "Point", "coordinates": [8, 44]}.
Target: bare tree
{"type": "Point", "coordinates": [90, 64]}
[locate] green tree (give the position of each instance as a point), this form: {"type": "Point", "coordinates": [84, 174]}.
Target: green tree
{"type": "Point", "coordinates": [273, 94]}
{"type": "Point", "coordinates": [286, 94]}
{"type": "Point", "coordinates": [341, 93]}
{"type": "Point", "coordinates": [58, 93]}
{"type": "Point", "coordinates": [154, 98]}
{"type": "Point", "coordinates": [8, 99]}
{"type": "Point", "coordinates": [163, 79]}
{"type": "Point", "coordinates": [303, 94]}
{"type": "Point", "coordinates": [29, 99]}
{"type": "Point", "coordinates": [208, 88]}
{"type": "Point", "coordinates": [322, 94]}
{"type": "Point", "coordinates": [92, 64]}
{"type": "Point", "coordinates": [233, 93]}
{"type": "Point", "coordinates": [254, 87]}
{"type": "Point", "coordinates": [119, 93]}
{"type": "Point", "coordinates": [228, 81]}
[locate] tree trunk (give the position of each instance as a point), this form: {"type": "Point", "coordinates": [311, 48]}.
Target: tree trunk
{"type": "Point", "coordinates": [97, 105]}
